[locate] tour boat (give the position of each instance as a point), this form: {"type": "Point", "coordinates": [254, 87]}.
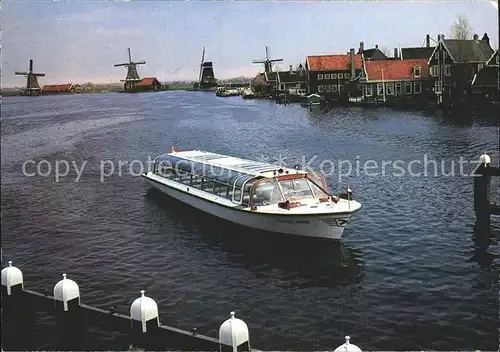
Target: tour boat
{"type": "Point", "coordinates": [253, 194]}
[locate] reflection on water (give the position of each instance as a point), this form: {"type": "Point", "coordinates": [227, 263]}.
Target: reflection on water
{"type": "Point", "coordinates": [304, 262]}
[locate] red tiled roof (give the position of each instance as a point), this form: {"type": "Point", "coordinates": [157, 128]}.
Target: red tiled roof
{"type": "Point", "coordinates": [332, 62]}
{"type": "Point", "coordinates": [57, 87]}
{"type": "Point", "coordinates": [395, 69]}
{"type": "Point", "coordinates": [148, 81]}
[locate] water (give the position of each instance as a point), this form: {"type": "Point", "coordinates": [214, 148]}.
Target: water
{"type": "Point", "coordinates": [410, 272]}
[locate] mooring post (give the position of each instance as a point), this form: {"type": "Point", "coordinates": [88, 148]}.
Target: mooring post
{"type": "Point", "coordinates": [69, 315]}
{"type": "Point", "coordinates": [17, 314]}
{"type": "Point", "coordinates": [144, 321]}
{"type": "Point", "coordinates": [234, 335]}
{"type": "Point", "coordinates": [482, 180]}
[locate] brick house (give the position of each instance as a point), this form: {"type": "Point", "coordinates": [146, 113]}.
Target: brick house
{"type": "Point", "coordinates": [329, 75]}
{"type": "Point", "coordinates": [58, 88]}
{"type": "Point", "coordinates": [453, 65]}
{"type": "Point", "coordinates": [396, 80]}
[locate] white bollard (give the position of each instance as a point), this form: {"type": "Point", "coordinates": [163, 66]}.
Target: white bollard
{"type": "Point", "coordinates": [234, 332]}
{"type": "Point", "coordinates": [11, 277]}
{"type": "Point", "coordinates": [347, 347]}
{"type": "Point", "coordinates": [485, 160]}
{"type": "Point", "coordinates": [144, 309]}
{"type": "Point", "coordinates": [65, 291]}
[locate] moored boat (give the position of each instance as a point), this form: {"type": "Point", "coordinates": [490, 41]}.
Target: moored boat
{"type": "Point", "coordinates": [253, 194]}
{"type": "Point", "coordinates": [248, 94]}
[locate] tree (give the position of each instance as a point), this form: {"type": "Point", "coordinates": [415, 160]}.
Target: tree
{"type": "Point", "coordinates": [461, 29]}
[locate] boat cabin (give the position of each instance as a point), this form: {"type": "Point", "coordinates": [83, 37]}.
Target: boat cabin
{"type": "Point", "coordinates": [246, 183]}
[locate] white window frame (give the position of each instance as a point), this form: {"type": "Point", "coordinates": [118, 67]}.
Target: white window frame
{"type": "Point", "coordinates": [438, 84]}
{"type": "Point", "coordinates": [380, 88]}
{"type": "Point", "coordinates": [333, 76]}
{"type": "Point", "coordinates": [417, 71]}
{"type": "Point", "coordinates": [436, 54]}
{"type": "Point", "coordinates": [334, 88]}
{"type": "Point", "coordinates": [447, 70]}
{"type": "Point", "coordinates": [320, 89]}
{"type": "Point", "coordinates": [419, 85]}
{"type": "Point", "coordinates": [368, 90]}
{"type": "Point", "coordinates": [445, 54]}
{"type": "Point", "coordinates": [320, 76]}
{"type": "Point", "coordinates": [434, 71]}
{"type": "Point", "coordinates": [408, 87]}
{"type": "Point", "coordinates": [347, 75]}
{"type": "Point", "coordinates": [389, 89]}
{"type": "Point", "coordinates": [327, 76]}
{"type": "Point", "coordinates": [398, 88]}
{"type": "Point", "coordinates": [282, 87]}
{"type": "Point", "coordinates": [327, 88]}
{"type": "Point", "coordinates": [340, 76]}
{"type": "Point", "coordinates": [479, 67]}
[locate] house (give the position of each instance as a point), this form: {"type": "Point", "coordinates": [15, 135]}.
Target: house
{"type": "Point", "coordinates": [391, 80]}
{"type": "Point", "coordinates": [484, 86]}
{"type": "Point", "coordinates": [329, 75]}
{"type": "Point", "coordinates": [57, 88]}
{"type": "Point", "coordinates": [271, 82]}
{"type": "Point", "coordinates": [453, 65]}
{"type": "Point", "coordinates": [371, 54]}
{"type": "Point", "coordinates": [424, 52]}
{"type": "Point", "coordinates": [291, 79]}
{"type": "Point", "coordinates": [147, 84]}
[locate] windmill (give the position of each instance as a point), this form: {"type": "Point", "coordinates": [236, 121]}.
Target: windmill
{"type": "Point", "coordinates": [207, 76]}
{"type": "Point", "coordinates": [32, 86]}
{"type": "Point", "coordinates": [132, 76]}
{"type": "Point", "coordinates": [268, 63]}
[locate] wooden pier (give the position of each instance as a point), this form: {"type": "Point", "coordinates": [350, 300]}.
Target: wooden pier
{"type": "Point", "coordinates": [74, 321]}
{"type": "Point", "coordinates": [483, 207]}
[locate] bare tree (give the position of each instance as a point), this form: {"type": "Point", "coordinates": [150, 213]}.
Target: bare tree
{"type": "Point", "coordinates": [385, 51]}
{"type": "Point", "coordinates": [461, 29]}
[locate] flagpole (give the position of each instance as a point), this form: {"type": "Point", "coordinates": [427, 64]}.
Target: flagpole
{"type": "Point", "coordinates": [348, 198]}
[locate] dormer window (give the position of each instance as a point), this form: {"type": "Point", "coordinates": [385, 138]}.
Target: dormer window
{"type": "Point", "coordinates": [320, 76]}
{"type": "Point", "coordinates": [417, 71]}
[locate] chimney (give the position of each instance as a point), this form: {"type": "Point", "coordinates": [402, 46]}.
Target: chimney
{"type": "Point", "coordinates": [291, 69]}
{"type": "Point", "coordinates": [31, 65]}
{"type": "Point", "coordinates": [352, 58]}
{"type": "Point", "coordinates": [361, 47]}
{"type": "Point", "coordinates": [486, 38]}
{"type": "Point", "coordinates": [395, 53]}
{"type": "Point", "coordinates": [476, 37]}
{"type": "Point", "coordinates": [376, 46]}
{"type": "Point", "coordinates": [427, 41]}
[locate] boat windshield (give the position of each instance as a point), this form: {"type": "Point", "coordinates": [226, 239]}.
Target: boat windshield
{"type": "Point", "coordinates": [266, 192]}
{"type": "Point", "coordinates": [300, 189]}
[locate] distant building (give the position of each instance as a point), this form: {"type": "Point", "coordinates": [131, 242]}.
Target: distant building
{"type": "Point", "coordinates": [148, 84]}
{"type": "Point", "coordinates": [396, 79]}
{"type": "Point", "coordinates": [58, 88]}
{"type": "Point", "coordinates": [373, 54]}
{"type": "Point", "coordinates": [291, 79]}
{"type": "Point", "coordinates": [329, 75]}
{"type": "Point", "coordinates": [453, 65]}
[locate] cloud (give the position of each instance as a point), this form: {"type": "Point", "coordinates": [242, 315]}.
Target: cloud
{"type": "Point", "coordinates": [494, 4]}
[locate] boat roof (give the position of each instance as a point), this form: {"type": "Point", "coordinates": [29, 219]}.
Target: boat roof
{"type": "Point", "coordinates": [244, 166]}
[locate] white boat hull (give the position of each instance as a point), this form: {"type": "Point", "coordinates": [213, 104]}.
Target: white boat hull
{"type": "Point", "coordinates": [330, 226]}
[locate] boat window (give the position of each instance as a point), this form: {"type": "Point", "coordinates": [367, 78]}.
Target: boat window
{"type": "Point", "coordinates": [266, 192]}
{"type": "Point", "coordinates": [237, 194]}
{"type": "Point", "coordinates": [318, 179]}
{"type": "Point", "coordinates": [296, 189]}
{"type": "Point", "coordinates": [208, 185]}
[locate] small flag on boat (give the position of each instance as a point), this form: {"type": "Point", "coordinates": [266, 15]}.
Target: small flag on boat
{"type": "Point", "coordinates": [174, 149]}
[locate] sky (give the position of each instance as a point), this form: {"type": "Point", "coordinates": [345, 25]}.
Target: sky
{"type": "Point", "coordinates": [80, 41]}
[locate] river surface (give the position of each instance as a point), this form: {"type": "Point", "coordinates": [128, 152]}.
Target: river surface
{"type": "Point", "coordinates": [410, 273]}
